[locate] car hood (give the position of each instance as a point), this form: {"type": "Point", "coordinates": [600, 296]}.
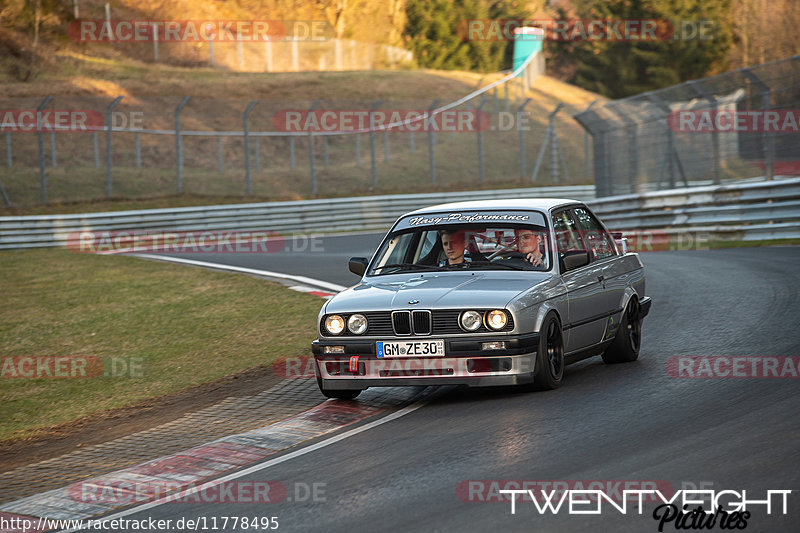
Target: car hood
{"type": "Point", "coordinates": [439, 291]}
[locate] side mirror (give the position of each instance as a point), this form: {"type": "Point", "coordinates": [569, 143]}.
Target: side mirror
{"type": "Point", "coordinates": [574, 259]}
{"type": "Point", "coordinates": [357, 265]}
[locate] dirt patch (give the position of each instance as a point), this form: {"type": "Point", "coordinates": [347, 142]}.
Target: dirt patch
{"type": "Point", "coordinates": [57, 440]}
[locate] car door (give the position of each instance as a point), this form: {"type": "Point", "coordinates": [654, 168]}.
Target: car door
{"type": "Point", "coordinates": [588, 313]}
{"type": "Point", "coordinates": [603, 253]}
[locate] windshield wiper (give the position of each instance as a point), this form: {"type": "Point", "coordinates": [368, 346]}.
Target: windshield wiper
{"type": "Point", "coordinates": [408, 265]}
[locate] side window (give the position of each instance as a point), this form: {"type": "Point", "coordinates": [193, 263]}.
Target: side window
{"type": "Point", "coordinates": [597, 241]}
{"type": "Point", "coordinates": [567, 238]}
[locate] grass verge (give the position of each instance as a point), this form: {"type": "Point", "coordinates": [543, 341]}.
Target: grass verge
{"type": "Point", "coordinates": [178, 327]}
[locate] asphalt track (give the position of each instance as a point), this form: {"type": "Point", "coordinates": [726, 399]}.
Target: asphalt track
{"type": "Point", "coordinates": [621, 422]}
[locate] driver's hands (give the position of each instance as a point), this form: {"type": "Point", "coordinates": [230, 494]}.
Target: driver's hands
{"type": "Point", "coordinates": [534, 259]}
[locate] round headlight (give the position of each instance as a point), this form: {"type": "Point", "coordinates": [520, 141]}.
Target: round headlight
{"type": "Point", "coordinates": [334, 324]}
{"type": "Point", "coordinates": [357, 324]}
{"type": "Point", "coordinates": [496, 319]}
{"type": "Point", "coordinates": [470, 320]}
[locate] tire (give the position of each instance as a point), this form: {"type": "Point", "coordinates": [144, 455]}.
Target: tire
{"type": "Point", "coordinates": [625, 346]}
{"type": "Point", "coordinates": [549, 356]}
{"type": "Point", "coordinates": [339, 394]}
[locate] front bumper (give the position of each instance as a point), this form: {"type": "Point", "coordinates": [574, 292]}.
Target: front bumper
{"type": "Point", "coordinates": [465, 364]}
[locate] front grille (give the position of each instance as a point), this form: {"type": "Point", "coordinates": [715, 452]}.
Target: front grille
{"type": "Point", "coordinates": [422, 322]}
{"type": "Point", "coordinates": [401, 320]}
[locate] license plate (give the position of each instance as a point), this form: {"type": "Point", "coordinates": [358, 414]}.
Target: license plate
{"type": "Point", "coordinates": [431, 348]}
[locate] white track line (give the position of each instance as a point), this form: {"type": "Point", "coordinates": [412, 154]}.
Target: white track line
{"type": "Point", "coordinates": [262, 466]}
{"type": "Point", "coordinates": [219, 266]}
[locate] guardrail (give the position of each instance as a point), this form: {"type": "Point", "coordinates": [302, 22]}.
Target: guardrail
{"type": "Point", "coordinates": [743, 211]}
{"type": "Point", "coordinates": [336, 214]}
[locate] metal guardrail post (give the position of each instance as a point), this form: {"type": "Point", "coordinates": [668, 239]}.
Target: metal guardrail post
{"type": "Point", "coordinates": [109, 129]}
{"type": "Point", "coordinates": [358, 149]}
{"type": "Point", "coordinates": [138, 143]}
{"type": "Point", "coordinates": [9, 152]}
{"type": "Point", "coordinates": [374, 168]}
{"type": "Point", "coordinates": [521, 133]}
{"type": "Point", "coordinates": [42, 172]}
{"type": "Point", "coordinates": [179, 146]}
{"type": "Point", "coordinates": [311, 155]}
{"type": "Point", "coordinates": [479, 132]}
{"type": "Point", "coordinates": [768, 136]}
{"type": "Point", "coordinates": [386, 145]}
{"type": "Point", "coordinates": [431, 140]}
{"type": "Point", "coordinates": [246, 121]}
{"type": "Point", "coordinates": [292, 163]}
{"type": "Point", "coordinates": [325, 151]}
{"type": "Point", "coordinates": [412, 148]}
{"type": "Point", "coordinates": [257, 150]}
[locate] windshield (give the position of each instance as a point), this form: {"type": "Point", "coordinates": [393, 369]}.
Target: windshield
{"type": "Point", "coordinates": [453, 246]}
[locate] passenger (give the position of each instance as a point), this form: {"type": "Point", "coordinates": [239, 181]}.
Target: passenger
{"type": "Point", "coordinates": [454, 244]}
{"type": "Point", "coordinates": [528, 242]}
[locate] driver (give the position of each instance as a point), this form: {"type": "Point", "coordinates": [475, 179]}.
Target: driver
{"type": "Point", "coordinates": [454, 244]}
{"type": "Point", "coordinates": [528, 242]}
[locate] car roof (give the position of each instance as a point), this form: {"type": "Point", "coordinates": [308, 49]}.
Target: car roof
{"type": "Point", "coordinates": [541, 204]}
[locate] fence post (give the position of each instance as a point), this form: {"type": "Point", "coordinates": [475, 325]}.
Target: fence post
{"type": "Point", "coordinates": [246, 120]}
{"type": "Point", "coordinates": [42, 173]}
{"type": "Point", "coordinates": [521, 133]}
{"type": "Point", "coordinates": [257, 148]}
{"type": "Point", "coordinates": [291, 153]}
{"type": "Point", "coordinates": [9, 153]}
{"type": "Point", "coordinates": [210, 45]}
{"type": "Point", "coordinates": [411, 141]}
{"type": "Point", "coordinates": [53, 159]}
{"type": "Point", "coordinates": [138, 151]}
{"type": "Point", "coordinates": [110, 109]}
{"type": "Point", "coordinates": [374, 169]}
{"type": "Point", "coordinates": [548, 138]}
{"type": "Point", "coordinates": [431, 141]}
{"type": "Point", "coordinates": [311, 154]}
{"type": "Point", "coordinates": [358, 149]}
{"type": "Point", "coordinates": [179, 145]}
{"type": "Point", "coordinates": [479, 131]}
{"type": "Point", "coordinates": [96, 150]}
{"type": "Point", "coordinates": [698, 88]}
{"type": "Point", "coordinates": [325, 150]}
{"type": "Point", "coordinates": [220, 164]}
{"type": "Point", "coordinates": [631, 127]}
{"type": "Point", "coordinates": [768, 136]}
{"type": "Point", "coordinates": [155, 42]}
{"type": "Point", "coordinates": [268, 54]}
{"type": "Point", "coordinates": [239, 50]}
{"type": "Point", "coordinates": [586, 143]}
